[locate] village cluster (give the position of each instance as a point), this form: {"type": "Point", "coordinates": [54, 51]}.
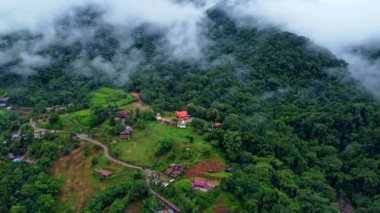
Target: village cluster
{"type": "Point", "coordinates": [181, 120]}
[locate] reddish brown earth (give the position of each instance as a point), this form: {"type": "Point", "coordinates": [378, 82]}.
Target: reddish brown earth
{"type": "Point", "coordinates": [345, 206]}
{"type": "Point", "coordinates": [202, 167]}
{"type": "Point", "coordinates": [136, 95]}
{"type": "Point", "coordinates": [135, 207]}
{"type": "Point", "coordinates": [220, 206]}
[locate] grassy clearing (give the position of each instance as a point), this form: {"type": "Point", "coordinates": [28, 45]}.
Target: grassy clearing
{"type": "Point", "coordinates": [78, 183]}
{"type": "Point", "coordinates": [141, 148]}
{"type": "Point", "coordinates": [108, 96]}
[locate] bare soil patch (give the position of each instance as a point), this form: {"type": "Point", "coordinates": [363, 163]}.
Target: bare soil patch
{"type": "Point", "coordinates": [345, 206]}
{"type": "Point", "coordinates": [203, 167]}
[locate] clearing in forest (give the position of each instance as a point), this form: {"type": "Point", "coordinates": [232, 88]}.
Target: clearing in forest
{"type": "Point", "coordinates": [108, 96]}
{"type": "Point", "coordinates": [78, 184]}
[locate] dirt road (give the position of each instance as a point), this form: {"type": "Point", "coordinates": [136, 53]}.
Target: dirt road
{"type": "Point", "coordinates": [106, 152]}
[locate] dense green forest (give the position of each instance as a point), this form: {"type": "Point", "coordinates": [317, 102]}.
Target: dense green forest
{"type": "Point", "coordinates": [297, 128]}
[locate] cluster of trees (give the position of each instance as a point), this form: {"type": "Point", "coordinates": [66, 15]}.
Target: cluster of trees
{"type": "Point", "coordinates": [302, 132]}
{"type": "Point", "coordinates": [115, 199]}
{"type": "Point", "coordinates": [299, 131]}
{"type": "Point", "coordinates": [27, 187]}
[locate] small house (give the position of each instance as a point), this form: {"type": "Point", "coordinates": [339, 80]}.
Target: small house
{"type": "Point", "coordinates": [127, 133]}
{"type": "Point", "coordinates": [164, 184]}
{"type": "Point", "coordinates": [16, 138]}
{"type": "Point", "coordinates": [175, 170]}
{"type": "Point", "coordinates": [202, 185]}
{"type": "Point", "coordinates": [181, 124]}
{"type": "Point", "coordinates": [158, 116]}
{"type": "Point", "coordinates": [59, 108]}
{"type": "Point", "coordinates": [103, 172]}
{"type": "Point", "coordinates": [181, 114]}
{"type": "Point", "coordinates": [16, 160]}
{"type": "Point", "coordinates": [229, 170]}
{"type": "Point", "coordinates": [11, 156]}
{"type": "Point", "coordinates": [217, 124]}
{"type": "Point", "coordinates": [156, 182]}
{"type": "Point", "coordinates": [38, 134]}
{"type": "Point", "coordinates": [74, 137]}
{"type": "Point", "coordinates": [3, 101]}
{"type": "Point", "coordinates": [49, 109]}
{"type": "Point", "coordinates": [123, 114]}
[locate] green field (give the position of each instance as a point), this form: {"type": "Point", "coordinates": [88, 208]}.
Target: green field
{"type": "Point", "coordinates": [108, 96]}
{"type": "Point", "coordinates": [141, 148]}
{"type": "Point", "coordinates": [79, 121]}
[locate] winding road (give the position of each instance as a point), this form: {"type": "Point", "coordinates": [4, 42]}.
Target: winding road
{"type": "Point", "coordinates": [107, 152]}
{"type": "Point", "coordinates": [147, 172]}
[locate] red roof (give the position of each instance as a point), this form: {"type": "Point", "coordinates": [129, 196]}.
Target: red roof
{"type": "Point", "coordinates": [202, 184]}
{"type": "Point", "coordinates": [181, 114]}
{"type": "Point", "coordinates": [103, 172]}
{"type": "Point", "coordinates": [123, 114]}
{"type": "Point", "coordinates": [217, 124]}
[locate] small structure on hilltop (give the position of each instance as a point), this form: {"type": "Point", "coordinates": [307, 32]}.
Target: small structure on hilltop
{"type": "Point", "coordinates": [11, 156]}
{"type": "Point", "coordinates": [49, 109]}
{"type": "Point", "coordinates": [3, 101]}
{"type": "Point", "coordinates": [217, 124]}
{"type": "Point", "coordinates": [126, 133]}
{"type": "Point", "coordinates": [15, 138]}
{"type": "Point", "coordinates": [156, 181]}
{"type": "Point", "coordinates": [181, 114]}
{"type": "Point", "coordinates": [39, 133]}
{"type": "Point", "coordinates": [175, 170]}
{"type": "Point", "coordinates": [181, 124]}
{"type": "Point", "coordinates": [59, 108]}
{"type": "Point", "coordinates": [103, 172]}
{"type": "Point", "coordinates": [16, 160]}
{"type": "Point", "coordinates": [203, 186]}
{"type": "Point", "coordinates": [158, 116]}
{"type": "Point", "coordinates": [230, 170]}
{"type": "Point", "coordinates": [74, 137]}
{"type": "Point", "coordinates": [164, 184]}
{"type": "Point", "coordinates": [123, 114]}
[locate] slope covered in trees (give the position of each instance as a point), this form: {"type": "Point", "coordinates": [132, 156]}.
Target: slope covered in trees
{"type": "Point", "coordinates": [298, 129]}
{"type": "Point", "coordinates": [301, 131]}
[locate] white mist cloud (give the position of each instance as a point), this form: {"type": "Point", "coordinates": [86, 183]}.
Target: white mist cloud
{"type": "Point", "coordinates": [331, 23]}
{"type": "Point", "coordinates": [178, 20]}
{"type": "Point", "coordinates": [338, 25]}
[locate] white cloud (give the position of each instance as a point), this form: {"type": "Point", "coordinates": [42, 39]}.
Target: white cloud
{"type": "Point", "coordinates": [338, 25]}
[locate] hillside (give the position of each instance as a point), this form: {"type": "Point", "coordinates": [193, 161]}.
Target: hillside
{"type": "Point", "coordinates": [296, 130]}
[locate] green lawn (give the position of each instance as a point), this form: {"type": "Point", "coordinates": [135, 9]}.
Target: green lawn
{"type": "Point", "coordinates": [108, 96]}
{"type": "Point", "coordinates": [141, 148]}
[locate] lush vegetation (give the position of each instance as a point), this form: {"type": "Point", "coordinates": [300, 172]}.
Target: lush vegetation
{"type": "Point", "coordinates": [298, 131]}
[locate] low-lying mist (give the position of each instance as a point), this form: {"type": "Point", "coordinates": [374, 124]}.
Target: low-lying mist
{"type": "Point", "coordinates": [37, 26]}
